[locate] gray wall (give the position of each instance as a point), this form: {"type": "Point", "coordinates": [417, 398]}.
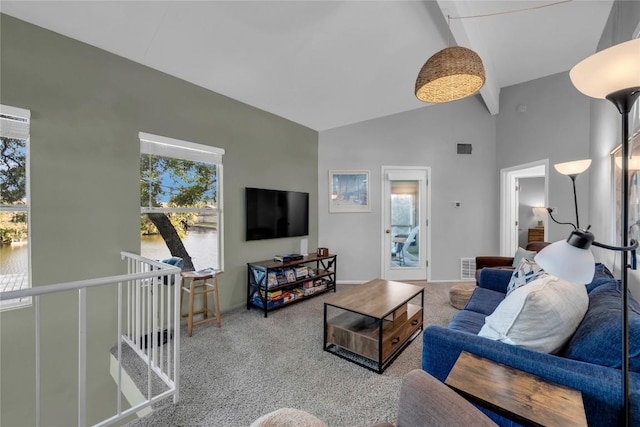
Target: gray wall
{"type": "Point", "coordinates": [423, 137]}
{"type": "Point", "coordinates": [555, 126]}
{"type": "Point", "coordinates": [87, 107]}
{"type": "Point", "coordinates": [605, 122]}
{"type": "Point", "coordinates": [531, 194]}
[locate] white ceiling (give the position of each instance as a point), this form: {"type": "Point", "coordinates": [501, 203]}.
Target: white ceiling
{"type": "Point", "coordinates": [325, 64]}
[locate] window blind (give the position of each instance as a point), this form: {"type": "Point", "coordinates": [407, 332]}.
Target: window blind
{"type": "Point", "coordinates": [169, 147]}
{"type": "Point", "coordinates": [14, 122]}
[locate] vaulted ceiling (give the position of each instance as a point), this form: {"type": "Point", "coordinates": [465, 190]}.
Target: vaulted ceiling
{"type": "Point", "coordinates": [325, 64]}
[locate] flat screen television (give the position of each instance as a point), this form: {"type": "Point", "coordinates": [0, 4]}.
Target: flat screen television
{"type": "Point", "coordinates": [273, 214]}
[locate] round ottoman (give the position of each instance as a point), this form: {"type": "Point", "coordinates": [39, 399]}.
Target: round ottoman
{"type": "Point", "coordinates": [460, 293]}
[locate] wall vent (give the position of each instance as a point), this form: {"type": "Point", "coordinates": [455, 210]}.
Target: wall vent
{"type": "Point", "coordinates": [464, 148]}
{"type": "Point", "coordinates": [467, 268]}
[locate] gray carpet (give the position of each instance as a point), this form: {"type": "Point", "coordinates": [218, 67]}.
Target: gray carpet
{"type": "Point", "coordinates": [252, 365]}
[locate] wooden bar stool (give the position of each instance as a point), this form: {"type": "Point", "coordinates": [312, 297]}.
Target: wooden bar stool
{"type": "Point", "coordinates": [199, 283]}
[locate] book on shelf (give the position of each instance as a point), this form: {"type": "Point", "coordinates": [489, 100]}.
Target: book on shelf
{"type": "Point", "coordinates": [271, 295]}
{"type": "Point", "coordinates": [290, 274]}
{"type": "Point", "coordinates": [302, 272]}
{"type": "Point", "coordinates": [310, 291]}
{"type": "Point", "coordinates": [272, 279]}
{"type": "Point", "coordinates": [288, 257]}
{"type": "Point", "coordinates": [282, 279]}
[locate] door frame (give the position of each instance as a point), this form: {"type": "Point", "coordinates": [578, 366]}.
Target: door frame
{"type": "Point", "coordinates": [509, 201]}
{"type": "Point", "coordinates": [424, 239]}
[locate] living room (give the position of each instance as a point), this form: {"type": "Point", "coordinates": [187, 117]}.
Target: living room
{"type": "Point", "coordinates": [88, 107]}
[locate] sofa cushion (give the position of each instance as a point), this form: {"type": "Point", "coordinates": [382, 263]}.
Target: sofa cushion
{"type": "Point", "coordinates": [541, 316]}
{"type": "Point", "coordinates": [526, 272]}
{"type": "Point", "coordinates": [467, 321]}
{"type": "Point", "coordinates": [484, 301]}
{"type": "Point", "coordinates": [598, 339]}
{"type": "Point", "coordinates": [601, 276]}
{"type": "Point", "coordinates": [521, 254]}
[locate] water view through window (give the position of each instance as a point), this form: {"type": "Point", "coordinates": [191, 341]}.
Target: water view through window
{"type": "Point", "coordinates": [179, 212]}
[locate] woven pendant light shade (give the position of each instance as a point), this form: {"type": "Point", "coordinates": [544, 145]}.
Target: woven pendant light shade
{"type": "Point", "coordinates": [453, 73]}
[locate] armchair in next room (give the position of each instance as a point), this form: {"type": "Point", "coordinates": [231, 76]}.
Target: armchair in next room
{"type": "Point", "coordinates": [491, 261]}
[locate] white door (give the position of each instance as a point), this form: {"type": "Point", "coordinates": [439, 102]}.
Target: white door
{"type": "Point", "coordinates": [509, 201]}
{"type": "Point", "coordinates": [404, 223]}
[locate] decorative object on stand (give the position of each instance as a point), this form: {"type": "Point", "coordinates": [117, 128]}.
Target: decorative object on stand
{"type": "Point", "coordinates": [572, 170]}
{"type": "Point", "coordinates": [612, 74]}
{"type": "Point", "coordinates": [540, 213]}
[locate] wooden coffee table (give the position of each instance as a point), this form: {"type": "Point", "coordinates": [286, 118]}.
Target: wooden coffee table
{"type": "Point", "coordinates": [372, 323]}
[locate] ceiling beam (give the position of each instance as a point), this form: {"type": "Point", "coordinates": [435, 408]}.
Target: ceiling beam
{"type": "Point", "coordinates": [466, 33]}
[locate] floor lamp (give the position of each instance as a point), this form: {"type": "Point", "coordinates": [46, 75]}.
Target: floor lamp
{"type": "Point", "coordinates": [572, 170]}
{"type": "Point", "coordinates": [612, 74]}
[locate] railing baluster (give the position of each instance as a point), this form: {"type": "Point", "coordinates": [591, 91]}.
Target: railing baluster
{"type": "Point", "coordinates": [82, 357]}
{"type": "Point", "coordinates": [145, 316]}
{"type": "Point", "coordinates": [119, 341]}
{"type": "Point", "coordinates": [176, 337]}
{"type": "Point", "coordinates": [149, 339]}
{"type": "Point", "coordinates": [37, 314]}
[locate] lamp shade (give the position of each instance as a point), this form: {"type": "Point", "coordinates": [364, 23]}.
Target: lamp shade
{"type": "Point", "coordinates": [575, 167]}
{"type": "Point", "coordinates": [540, 213]}
{"type": "Point", "coordinates": [453, 73]}
{"type": "Point", "coordinates": [609, 70]}
{"type": "Point", "coordinates": [567, 262]}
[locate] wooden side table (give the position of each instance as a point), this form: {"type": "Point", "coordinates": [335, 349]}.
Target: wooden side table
{"type": "Point", "coordinates": [515, 394]}
{"type": "Point", "coordinates": [535, 235]}
{"type": "Point", "coordinates": [197, 283]}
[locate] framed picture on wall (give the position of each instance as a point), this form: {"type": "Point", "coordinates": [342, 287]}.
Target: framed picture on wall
{"type": "Point", "coordinates": [634, 179]}
{"type": "Point", "coordinates": [349, 191]}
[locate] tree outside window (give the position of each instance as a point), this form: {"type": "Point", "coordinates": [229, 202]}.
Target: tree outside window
{"type": "Point", "coordinates": [180, 212]}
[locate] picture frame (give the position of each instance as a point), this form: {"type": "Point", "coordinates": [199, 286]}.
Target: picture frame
{"type": "Point", "coordinates": [349, 191]}
{"type": "Point", "coordinates": [634, 181]}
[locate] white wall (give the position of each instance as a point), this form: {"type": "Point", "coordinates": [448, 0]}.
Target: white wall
{"type": "Point", "coordinates": [423, 137]}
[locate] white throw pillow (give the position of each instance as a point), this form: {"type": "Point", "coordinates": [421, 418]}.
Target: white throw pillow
{"type": "Point", "coordinates": [541, 316]}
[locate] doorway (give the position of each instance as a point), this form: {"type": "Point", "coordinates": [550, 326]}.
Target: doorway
{"type": "Point", "coordinates": [510, 205]}
{"type": "Point", "coordinates": [405, 231]}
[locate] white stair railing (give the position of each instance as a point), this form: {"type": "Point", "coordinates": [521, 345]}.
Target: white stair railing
{"type": "Point", "coordinates": [148, 323]}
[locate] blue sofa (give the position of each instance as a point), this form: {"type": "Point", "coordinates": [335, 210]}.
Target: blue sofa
{"type": "Point", "coordinates": [589, 362]}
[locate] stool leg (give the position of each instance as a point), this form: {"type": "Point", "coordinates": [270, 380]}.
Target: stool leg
{"type": "Point", "coordinates": [205, 301]}
{"type": "Point", "coordinates": [181, 295]}
{"type": "Point", "coordinates": [190, 318]}
{"type": "Point", "coordinates": [217, 302]}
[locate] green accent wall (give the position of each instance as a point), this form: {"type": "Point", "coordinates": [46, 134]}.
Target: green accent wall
{"type": "Point", "coordinates": [87, 107]}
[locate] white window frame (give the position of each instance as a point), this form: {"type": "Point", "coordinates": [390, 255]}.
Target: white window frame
{"type": "Point", "coordinates": [176, 148]}
{"type": "Point", "coordinates": [19, 129]}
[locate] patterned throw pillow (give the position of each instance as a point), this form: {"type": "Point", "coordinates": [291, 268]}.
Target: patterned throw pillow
{"type": "Point", "coordinates": [527, 271]}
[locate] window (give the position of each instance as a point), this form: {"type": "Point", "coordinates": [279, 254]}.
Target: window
{"type": "Point", "coordinates": [14, 203]}
{"type": "Point", "coordinates": [181, 201]}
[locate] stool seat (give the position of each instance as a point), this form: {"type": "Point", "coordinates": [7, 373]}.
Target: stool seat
{"type": "Point", "coordinates": [200, 283]}
{"type": "Point", "coordinates": [460, 293]}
